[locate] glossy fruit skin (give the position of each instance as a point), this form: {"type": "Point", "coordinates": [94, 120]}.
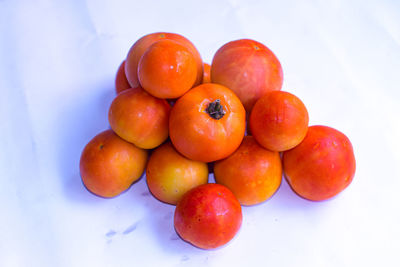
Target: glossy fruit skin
{"type": "Point", "coordinates": [207, 73]}
{"type": "Point", "coordinates": [279, 121]}
{"type": "Point", "coordinates": [248, 68]}
{"type": "Point", "coordinates": [208, 216]}
{"type": "Point", "coordinates": [322, 165]}
{"type": "Point", "coordinates": [198, 136]}
{"type": "Point", "coordinates": [140, 118]}
{"type": "Point", "coordinates": [252, 173]}
{"type": "Point", "coordinates": [141, 45]}
{"type": "Point", "coordinates": [169, 175]}
{"type": "Point", "coordinates": [109, 164]}
{"type": "Point", "coordinates": [167, 69]}
{"type": "Point", "coordinates": [121, 83]}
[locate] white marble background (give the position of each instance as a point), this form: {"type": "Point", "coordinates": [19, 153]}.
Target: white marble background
{"type": "Point", "coordinates": [57, 65]}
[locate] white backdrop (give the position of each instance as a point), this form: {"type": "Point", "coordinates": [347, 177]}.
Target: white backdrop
{"type": "Point", "coordinates": [57, 65]}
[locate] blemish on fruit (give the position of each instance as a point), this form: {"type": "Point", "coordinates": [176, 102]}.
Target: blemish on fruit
{"type": "Point", "coordinates": [316, 146]}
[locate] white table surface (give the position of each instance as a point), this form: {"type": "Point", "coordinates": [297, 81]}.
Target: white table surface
{"type": "Point", "coordinates": [57, 66]}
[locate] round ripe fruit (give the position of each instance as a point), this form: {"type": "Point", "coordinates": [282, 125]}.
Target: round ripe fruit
{"type": "Point", "coordinates": [140, 118]}
{"type": "Point", "coordinates": [121, 83]}
{"type": "Point", "coordinates": [207, 123]}
{"type": "Point", "coordinates": [167, 69]}
{"type": "Point", "coordinates": [279, 121]}
{"type": "Point", "coordinates": [322, 165]}
{"type": "Point", "coordinates": [206, 74]}
{"type": "Point", "coordinates": [252, 173]}
{"type": "Point", "coordinates": [141, 45]}
{"type": "Point", "coordinates": [248, 68]}
{"type": "Point", "coordinates": [170, 175]}
{"type": "Point", "coordinates": [208, 216]}
{"type": "Point", "coordinates": [109, 164]}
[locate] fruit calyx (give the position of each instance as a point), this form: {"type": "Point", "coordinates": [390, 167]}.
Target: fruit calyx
{"type": "Point", "coordinates": [215, 110]}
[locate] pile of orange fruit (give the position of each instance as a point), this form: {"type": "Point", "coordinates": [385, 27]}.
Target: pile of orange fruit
{"type": "Point", "coordinates": [177, 119]}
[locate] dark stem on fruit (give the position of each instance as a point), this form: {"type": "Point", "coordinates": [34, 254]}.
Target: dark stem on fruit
{"type": "Point", "coordinates": [215, 110]}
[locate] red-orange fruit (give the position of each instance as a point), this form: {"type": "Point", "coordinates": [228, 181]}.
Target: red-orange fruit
{"type": "Point", "coordinates": [279, 121]}
{"type": "Point", "coordinates": [208, 216]}
{"type": "Point", "coordinates": [322, 165]}
{"type": "Point", "coordinates": [170, 175]}
{"type": "Point", "coordinates": [248, 68]}
{"type": "Point", "coordinates": [207, 123]}
{"type": "Point", "coordinates": [167, 69]}
{"type": "Point", "coordinates": [140, 118]}
{"type": "Point", "coordinates": [252, 172]}
{"type": "Point", "coordinates": [109, 164]}
{"type": "Point", "coordinates": [121, 83]}
{"type": "Point", "coordinates": [141, 45]}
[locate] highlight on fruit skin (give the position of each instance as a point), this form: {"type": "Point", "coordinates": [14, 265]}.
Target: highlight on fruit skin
{"type": "Point", "coordinates": [322, 165]}
{"type": "Point", "coordinates": [208, 216]}
{"type": "Point", "coordinates": [109, 164]}
{"type": "Point", "coordinates": [207, 73]}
